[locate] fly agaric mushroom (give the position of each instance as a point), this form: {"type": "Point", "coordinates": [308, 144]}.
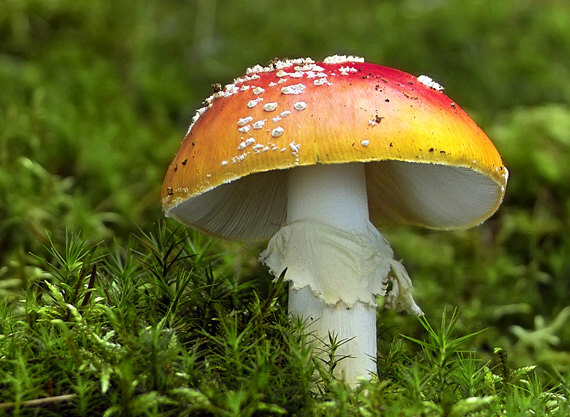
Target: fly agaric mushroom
{"type": "Point", "coordinates": [311, 155]}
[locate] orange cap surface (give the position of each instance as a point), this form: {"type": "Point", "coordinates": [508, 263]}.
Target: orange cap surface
{"type": "Point", "coordinates": [427, 162]}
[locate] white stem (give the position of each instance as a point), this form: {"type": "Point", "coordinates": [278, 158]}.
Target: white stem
{"type": "Point", "coordinates": [331, 194]}
{"type": "Point", "coordinates": [335, 195]}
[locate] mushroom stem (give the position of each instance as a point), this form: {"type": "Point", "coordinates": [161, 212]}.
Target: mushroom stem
{"type": "Point", "coordinates": [337, 263]}
{"type": "Point", "coordinates": [354, 329]}
{"type": "Point", "coordinates": [334, 195]}
{"type": "Point", "coordinates": [331, 194]}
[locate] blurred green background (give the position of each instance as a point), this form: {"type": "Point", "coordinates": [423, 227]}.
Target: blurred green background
{"type": "Point", "coordinates": [95, 97]}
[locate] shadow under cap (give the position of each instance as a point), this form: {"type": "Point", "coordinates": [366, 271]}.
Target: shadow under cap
{"type": "Point", "coordinates": [429, 195]}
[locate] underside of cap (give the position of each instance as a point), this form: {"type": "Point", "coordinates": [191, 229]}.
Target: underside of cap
{"type": "Point", "coordinates": [427, 162]}
{"type": "Point", "coordinates": [428, 195]}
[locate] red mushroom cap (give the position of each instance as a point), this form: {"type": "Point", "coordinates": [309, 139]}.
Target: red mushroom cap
{"type": "Point", "coordinates": [427, 162]}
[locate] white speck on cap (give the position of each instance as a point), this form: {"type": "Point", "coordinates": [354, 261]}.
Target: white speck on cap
{"type": "Point", "coordinates": [253, 103]}
{"type": "Point", "coordinates": [294, 148]}
{"type": "Point", "coordinates": [372, 122]}
{"type": "Point", "coordinates": [259, 124]}
{"type": "Point", "coordinates": [285, 113]}
{"type": "Point", "coordinates": [424, 79]}
{"type": "Point", "coordinates": [224, 163]}
{"type": "Point", "coordinates": [258, 90]}
{"type": "Point", "coordinates": [269, 106]}
{"type": "Point", "coordinates": [309, 67]}
{"type": "Point", "coordinates": [230, 89]}
{"type": "Point", "coordinates": [300, 105]}
{"type": "Point", "coordinates": [278, 65]}
{"type": "Point", "coordinates": [339, 59]}
{"type": "Point", "coordinates": [244, 129]}
{"type": "Point", "coordinates": [312, 74]}
{"type": "Point", "coordinates": [346, 70]}
{"type": "Point", "coordinates": [321, 81]}
{"type": "Point", "coordinates": [244, 121]}
{"type": "Point", "coordinates": [239, 158]}
{"type": "Point", "coordinates": [291, 62]}
{"type": "Point", "coordinates": [199, 112]}
{"type": "Point", "coordinates": [249, 141]}
{"type": "Point", "coordinates": [254, 69]}
{"type": "Point", "coordinates": [244, 87]}
{"type": "Point", "coordinates": [242, 146]}
{"type": "Point", "coordinates": [293, 89]}
{"type": "Point", "coordinates": [246, 78]}
{"type": "Point", "coordinates": [276, 119]}
{"type": "Point", "coordinates": [365, 142]}
{"type": "Point", "coordinates": [278, 131]}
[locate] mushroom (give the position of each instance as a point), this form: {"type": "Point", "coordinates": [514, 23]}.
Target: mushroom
{"type": "Point", "coordinates": [312, 156]}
